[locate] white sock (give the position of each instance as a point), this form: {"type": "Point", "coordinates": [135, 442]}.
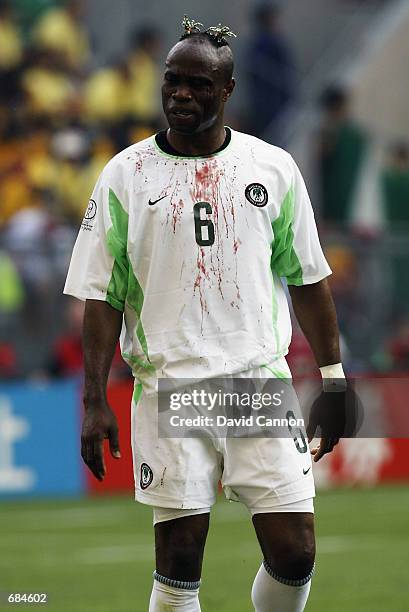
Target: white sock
{"type": "Point", "coordinates": [166, 596]}
{"type": "Point", "coordinates": [270, 593]}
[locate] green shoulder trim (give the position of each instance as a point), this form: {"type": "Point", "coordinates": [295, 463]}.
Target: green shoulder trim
{"type": "Point", "coordinates": [284, 259]}
{"type": "Point", "coordinates": [124, 286]}
{"type": "Point", "coordinates": [117, 237]}
{"type": "Point", "coordinates": [135, 299]}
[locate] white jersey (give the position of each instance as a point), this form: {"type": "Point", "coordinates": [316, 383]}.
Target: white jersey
{"type": "Point", "coordinates": [192, 250]}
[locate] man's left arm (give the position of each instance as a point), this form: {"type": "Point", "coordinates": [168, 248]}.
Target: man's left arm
{"type": "Point", "coordinates": [298, 257]}
{"type": "Point", "coordinates": [315, 311]}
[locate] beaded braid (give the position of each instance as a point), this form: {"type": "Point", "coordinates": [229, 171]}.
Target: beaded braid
{"type": "Point", "coordinates": [191, 26]}
{"type": "Point", "coordinates": [220, 32]}
{"type": "Point", "coordinates": [217, 34]}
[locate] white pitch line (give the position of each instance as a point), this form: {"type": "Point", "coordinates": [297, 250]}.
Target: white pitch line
{"type": "Point", "coordinates": [89, 556]}
{"type": "Point", "coordinates": [143, 552]}
{"type": "Point", "coordinates": [66, 512]}
{"type": "Point", "coordinates": [116, 554]}
{"type": "Point", "coordinates": [339, 544]}
{"type": "Point", "coordinates": [43, 541]}
{"type": "Point", "coordinates": [67, 519]}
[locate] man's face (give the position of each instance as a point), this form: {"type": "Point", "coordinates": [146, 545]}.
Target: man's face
{"type": "Point", "coordinates": [194, 88]}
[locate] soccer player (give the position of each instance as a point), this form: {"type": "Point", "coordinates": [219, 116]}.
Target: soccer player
{"type": "Point", "coordinates": [183, 247]}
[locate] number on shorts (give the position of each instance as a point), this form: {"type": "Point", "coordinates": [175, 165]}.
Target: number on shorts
{"type": "Point", "coordinates": [297, 434]}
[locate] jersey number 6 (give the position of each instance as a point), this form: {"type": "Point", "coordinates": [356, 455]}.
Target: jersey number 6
{"type": "Point", "coordinates": [200, 223]}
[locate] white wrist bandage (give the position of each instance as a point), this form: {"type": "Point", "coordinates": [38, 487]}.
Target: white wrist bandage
{"type": "Point", "coordinates": [333, 377]}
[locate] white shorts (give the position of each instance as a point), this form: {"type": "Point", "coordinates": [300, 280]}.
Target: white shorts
{"type": "Point", "coordinates": [161, 515]}
{"type": "Point", "coordinates": [262, 473]}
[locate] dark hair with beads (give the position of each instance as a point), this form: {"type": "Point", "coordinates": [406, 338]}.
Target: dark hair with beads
{"type": "Point", "coordinates": [217, 35]}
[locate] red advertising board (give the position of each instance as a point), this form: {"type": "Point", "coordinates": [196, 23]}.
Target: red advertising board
{"type": "Point", "coordinates": [364, 462]}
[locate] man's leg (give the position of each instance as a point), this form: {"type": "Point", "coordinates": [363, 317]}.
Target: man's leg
{"type": "Point", "coordinates": [179, 545]}
{"type": "Point", "coordinates": [288, 545]}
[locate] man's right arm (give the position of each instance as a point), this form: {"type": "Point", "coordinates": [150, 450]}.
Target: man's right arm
{"type": "Point", "coordinates": [101, 330]}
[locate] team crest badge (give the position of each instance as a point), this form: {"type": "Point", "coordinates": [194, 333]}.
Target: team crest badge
{"type": "Point", "coordinates": [91, 210]}
{"type": "Point", "coordinates": [87, 222]}
{"type": "Point", "coordinates": [256, 194]}
{"type": "Point", "coordinates": [146, 476]}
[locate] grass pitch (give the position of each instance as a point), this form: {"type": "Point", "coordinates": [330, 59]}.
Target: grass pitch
{"type": "Point", "coordinates": [97, 554]}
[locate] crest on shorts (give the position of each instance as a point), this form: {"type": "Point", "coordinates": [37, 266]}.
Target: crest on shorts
{"type": "Point", "coordinates": [256, 194]}
{"type": "Point", "coordinates": [146, 476]}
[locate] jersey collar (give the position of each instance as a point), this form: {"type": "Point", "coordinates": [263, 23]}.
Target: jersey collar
{"type": "Point", "coordinates": [165, 147]}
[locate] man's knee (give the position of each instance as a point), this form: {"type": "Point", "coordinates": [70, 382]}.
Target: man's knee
{"type": "Point", "coordinates": [179, 547]}
{"type": "Point", "coordinates": [288, 543]}
{"type": "Point", "coordinates": [295, 560]}
{"type": "Point", "coordinates": [182, 554]}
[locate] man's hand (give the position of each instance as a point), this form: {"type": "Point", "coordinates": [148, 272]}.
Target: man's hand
{"type": "Point", "coordinates": [333, 415]}
{"type": "Point", "coordinates": [326, 445]}
{"type": "Point", "coordinates": [99, 423]}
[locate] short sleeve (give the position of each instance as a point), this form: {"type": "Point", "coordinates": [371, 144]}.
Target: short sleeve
{"type": "Point", "coordinates": [296, 250]}
{"type": "Point", "coordinates": [99, 264]}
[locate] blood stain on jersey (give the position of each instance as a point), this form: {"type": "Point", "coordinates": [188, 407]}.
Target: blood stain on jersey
{"type": "Point", "coordinates": [174, 212]}
{"type": "Point", "coordinates": [202, 174]}
{"type": "Point", "coordinates": [236, 245]}
{"type": "Point", "coordinates": [163, 476]}
{"type": "Point", "coordinates": [202, 275]}
{"type": "Point", "coordinates": [138, 164]}
{"type": "Point", "coordinates": [177, 209]}
{"type": "Point", "coordinates": [210, 186]}
{"type": "Point", "coordinates": [206, 188]}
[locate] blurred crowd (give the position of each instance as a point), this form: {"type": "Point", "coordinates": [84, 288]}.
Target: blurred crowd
{"type": "Point", "coordinates": [368, 251]}
{"type": "Point", "coordinates": [61, 119]}
{"type": "Point", "coordinates": [63, 116]}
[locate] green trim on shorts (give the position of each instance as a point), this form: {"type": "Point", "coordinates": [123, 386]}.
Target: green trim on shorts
{"type": "Point", "coordinates": [139, 366]}
{"type": "Point", "coordinates": [284, 376]}
{"type": "Point", "coordinates": [137, 392]}
{"type": "Point", "coordinates": [275, 313]}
